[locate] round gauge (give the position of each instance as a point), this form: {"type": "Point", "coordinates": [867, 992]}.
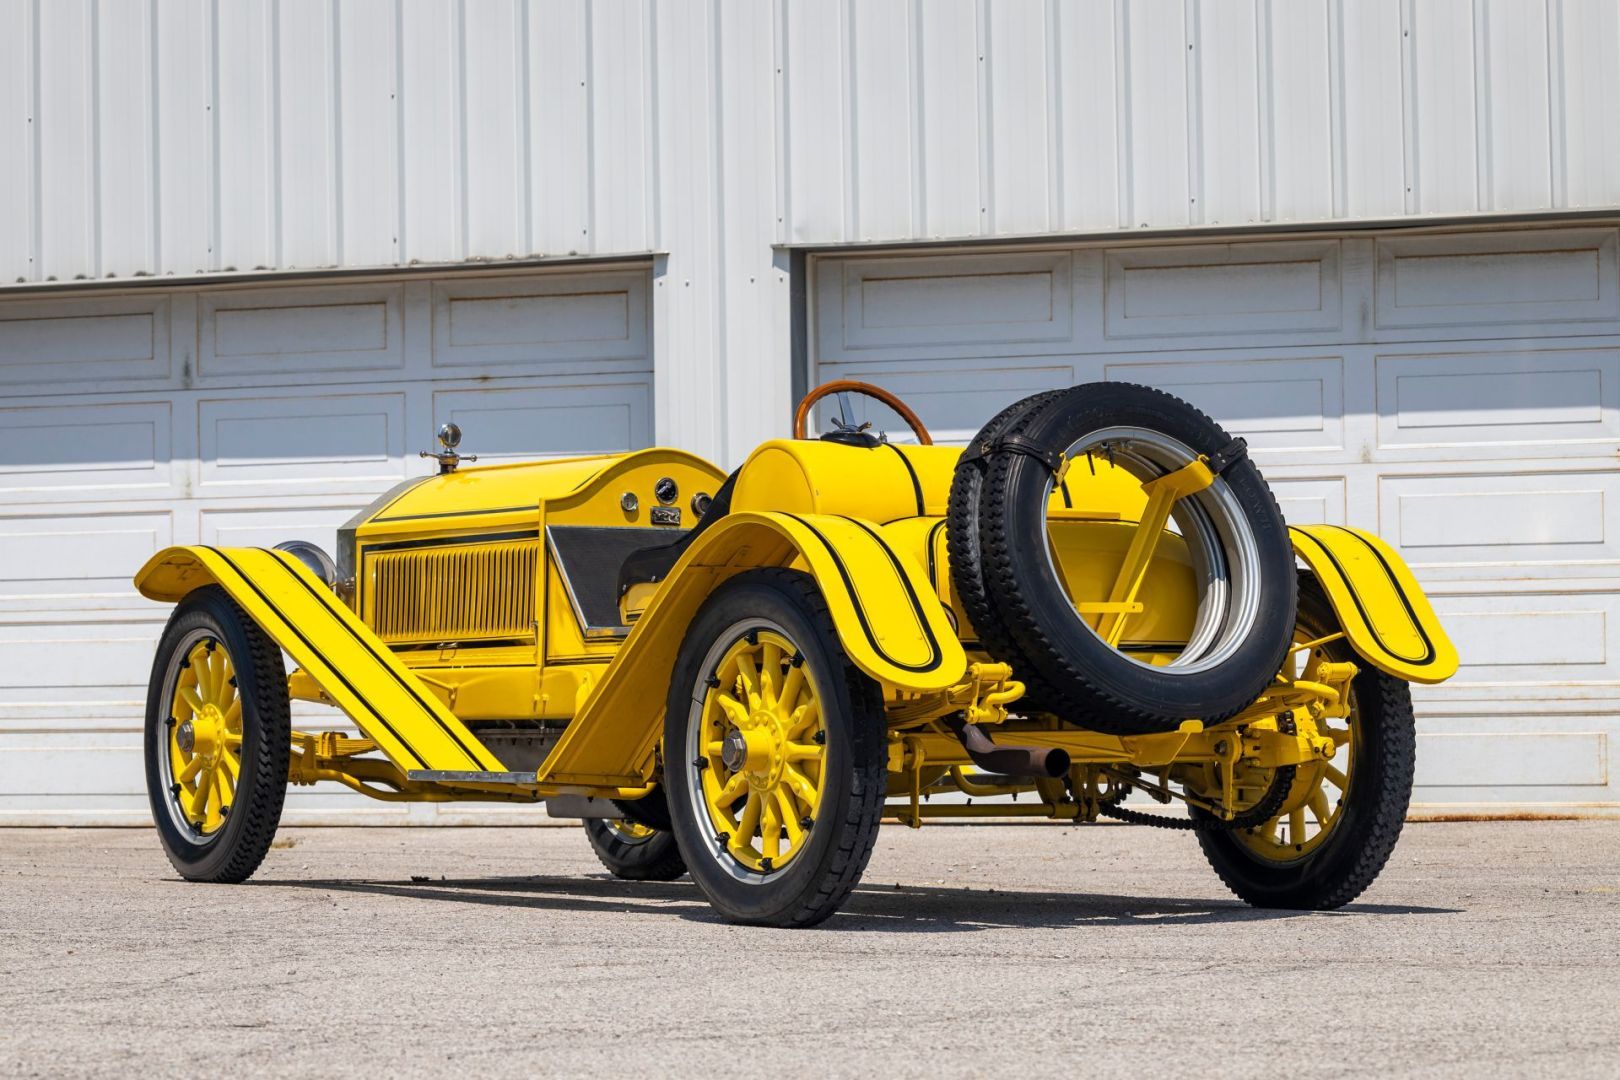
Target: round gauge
{"type": "Point", "coordinates": [666, 490]}
{"type": "Point", "coordinates": [700, 503]}
{"type": "Point", "coordinates": [629, 503]}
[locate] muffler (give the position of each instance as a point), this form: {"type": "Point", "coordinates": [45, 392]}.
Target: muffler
{"type": "Point", "coordinates": [1033, 762]}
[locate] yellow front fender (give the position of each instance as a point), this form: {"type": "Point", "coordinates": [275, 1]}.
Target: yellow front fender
{"type": "Point", "coordinates": [1385, 615]}
{"type": "Point", "coordinates": [359, 673]}
{"type": "Point", "coordinates": [889, 621]}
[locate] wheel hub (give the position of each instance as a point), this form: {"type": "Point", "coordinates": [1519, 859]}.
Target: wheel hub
{"type": "Point", "coordinates": [755, 749]}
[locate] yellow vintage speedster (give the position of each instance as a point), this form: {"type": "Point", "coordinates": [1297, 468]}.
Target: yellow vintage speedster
{"type": "Point", "coordinates": [741, 676]}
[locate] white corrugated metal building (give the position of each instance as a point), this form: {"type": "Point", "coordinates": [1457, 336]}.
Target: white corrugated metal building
{"type": "Point", "coordinates": [252, 252]}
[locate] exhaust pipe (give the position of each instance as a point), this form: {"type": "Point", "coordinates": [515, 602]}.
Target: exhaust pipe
{"type": "Point", "coordinates": [1038, 762]}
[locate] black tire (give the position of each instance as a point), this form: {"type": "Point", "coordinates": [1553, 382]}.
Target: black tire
{"type": "Point", "coordinates": [1374, 808]}
{"type": "Point", "coordinates": [967, 566]}
{"type": "Point", "coordinates": [631, 855]}
{"type": "Point", "coordinates": [1103, 688]}
{"type": "Point", "coordinates": [230, 853]}
{"type": "Point", "coordinates": [839, 840]}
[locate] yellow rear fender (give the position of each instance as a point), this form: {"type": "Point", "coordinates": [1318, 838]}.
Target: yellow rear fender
{"type": "Point", "coordinates": [357, 671]}
{"type": "Point", "coordinates": [1385, 615]}
{"type": "Point", "coordinates": [889, 621]}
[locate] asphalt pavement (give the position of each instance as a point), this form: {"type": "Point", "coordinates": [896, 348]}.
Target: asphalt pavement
{"type": "Point", "coordinates": [1486, 949]}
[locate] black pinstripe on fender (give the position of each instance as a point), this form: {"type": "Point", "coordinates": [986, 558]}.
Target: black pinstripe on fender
{"type": "Point", "coordinates": [292, 627]}
{"type": "Point", "coordinates": [936, 654]}
{"type": "Point", "coordinates": [1395, 586]}
{"type": "Point", "coordinates": [286, 561]}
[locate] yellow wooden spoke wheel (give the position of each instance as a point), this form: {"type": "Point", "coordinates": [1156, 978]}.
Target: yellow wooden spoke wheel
{"type": "Point", "coordinates": [635, 851]}
{"type": "Point", "coordinates": [1315, 802]}
{"type": "Point", "coordinates": [217, 739]}
{"type": "Point", "coordinates": [1340, 818]}
{"type": "Point", "coordinates": [205, 735]}
{"type": "Point", "coordinates": [775, 756]}
{"type": "Point", "coordinates": [763, 751]}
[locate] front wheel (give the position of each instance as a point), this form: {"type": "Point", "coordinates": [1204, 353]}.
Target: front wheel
{"type": "Point", "coordinates": [632, 851]}
{"type": "Point", "coordinates": [775, 753]}
{"type": "Point", "coordinates": [1342, 817]}
{"type": "Point", "coordinates": [217, 739]}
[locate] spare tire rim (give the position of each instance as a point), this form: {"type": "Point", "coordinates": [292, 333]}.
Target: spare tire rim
{"type": "Point", "coordinates": [1219, 536]}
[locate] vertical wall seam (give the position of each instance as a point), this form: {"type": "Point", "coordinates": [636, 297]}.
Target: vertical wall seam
{"type": "Point", "coordinates": [334, 55]}
{"type": "Point", "coordinates": [216, 241]}
{"type": "Point", "coordinates": [783, 121]}
{"type": "Point", "coordinates": [458, 118]}
{"type": "Point", "coordinates": [155, 144]}
{"type": "Point", "coordinates": [1480, 70]}
{"type": "Point", "coordinates": [93, 138]}
{"type": "Point", "coordinates": [919, 128]}
{"type": "Point", "coordinates": [589, 231]}
{"type": "Point", "coordinates": [1410, 143]}
{"type": "Point", "coordinates": [402, 191]}
{"type": "Point", "coordinates": [716, 109]}
{"type": "Point", "coordinates": [36, 192]}
{"type": "Point", "coordinates": [273, 108]}
{"type": "Point", "coordinates": [1557, 108]}
{"type": "Point", "coordinates": [525, 131]}
{"type": "Point", "coordinates": [987, 123]}
{"type": "Point", "coordinates": [1265, 111]}
{"type": "Point", "coordinates": [1056, 216]}
{"type": "Point", "coordinates": [1125, 167]}
{"type": "Point", "coordinates": [1338, 169]}
{"type": "Point", "coordinates": [1191, 62]}
{"type": "Point", "coordinates": [653, 217]}
{"type": "Point", "coordinates": [851, 139]}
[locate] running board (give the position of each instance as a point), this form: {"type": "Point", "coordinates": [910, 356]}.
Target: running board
{"type": "Point", "coordinates": [467, 776]}
{"type": "Point", "coordinates": [359, 673]}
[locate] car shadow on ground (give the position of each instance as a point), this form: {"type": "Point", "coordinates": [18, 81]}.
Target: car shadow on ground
{"type": "Point", "coordinates": [907, 908]}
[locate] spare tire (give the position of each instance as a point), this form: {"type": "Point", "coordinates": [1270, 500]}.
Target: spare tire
{"type": "Point", "coordinates": [1235, 535]}
{"type": "Point", "coordinates": [967, 564]}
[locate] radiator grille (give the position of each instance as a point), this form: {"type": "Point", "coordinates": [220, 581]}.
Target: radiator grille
{"type": "Point", "coordinates": [454, 593]}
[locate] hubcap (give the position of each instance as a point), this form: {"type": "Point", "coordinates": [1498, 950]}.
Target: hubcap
{"type": "Point", "coordinates": [205, 735]}
{"type": "Point", "coordinates": [759, 737]}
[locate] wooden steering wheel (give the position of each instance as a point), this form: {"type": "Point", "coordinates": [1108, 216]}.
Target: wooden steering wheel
{"type": "Point", "coordinates": [801, 416]}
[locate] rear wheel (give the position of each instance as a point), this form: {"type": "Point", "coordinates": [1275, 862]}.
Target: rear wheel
{"type": "Point", "coordinates": [632, 851]}
{"type": "Point", "coordinates": [775, 753]}
{"type": "Point", "coordinates": [1342, 817]}
{"type": "Point", "coordinates": [217, 739]}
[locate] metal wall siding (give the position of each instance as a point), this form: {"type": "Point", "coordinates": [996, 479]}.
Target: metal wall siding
{"type": "Point", "coordinates": [180, 136]}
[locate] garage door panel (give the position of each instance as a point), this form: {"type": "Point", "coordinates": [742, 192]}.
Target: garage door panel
{"type": "Point", "coordinates": [1496, 766]}
{"type": "Point", "coordinates": [1011, 304]}
{"type": "Point", "coordinates": [1507, 401]}
{"type": "Point", "coordinates": [1480, 285]}
{"type": "Point", "coordinates": [1310, 500]}
{"type": "Point", "coordinates": [515, 422]}
{"type": "Point", "coordinates": [1536, 640]}
{"type": "Point", "coordinates": [1287, 405]}
{"type": "Point", "coordinates": [64, 556]}
{"type": "Point", "coordinates": [304, 442]}
{"type": "Point", "coordinates": [85, 661]}
{"type": "Point", "coordinates": [1524, 518]}
{"type": "Point", "coordinates": [90, 448]}
{"type": "Point", "coordinates": [52, 346]}
{"type": "Point", "coordinates": [265, 526]}
{"type": "Point", "coordinates": [248, 333]}
{"type": "Point", "coordinates": [1246, 291]}
{"type": "Point", "coordinates": [542, 320]}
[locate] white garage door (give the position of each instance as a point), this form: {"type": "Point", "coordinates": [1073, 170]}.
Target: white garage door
{"type": "Point", "coordinates": [1458, 393]}
{"type": "Point", "coordinates": [250, 416]}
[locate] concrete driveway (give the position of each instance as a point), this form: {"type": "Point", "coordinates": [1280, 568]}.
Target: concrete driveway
{"type": "Point", "coordinates": [1485, 949]}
